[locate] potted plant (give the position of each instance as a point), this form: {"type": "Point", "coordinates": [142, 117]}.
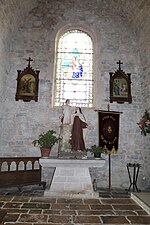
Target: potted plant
{"type": "Point", "coordinates": [97, 150]}
{"type": "Point", "coordinates": [46, 141]}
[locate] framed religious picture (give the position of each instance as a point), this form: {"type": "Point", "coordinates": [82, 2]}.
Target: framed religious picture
{"type": "Point", "coordinates": [120, 86]}
{"type": "Point", "coordinates": [27, 84]}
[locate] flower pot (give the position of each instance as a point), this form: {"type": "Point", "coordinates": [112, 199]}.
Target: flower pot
{"type": "Point", "coordinates": [97, 155]}
{"type": "Point", "coordinates": [45, 152]}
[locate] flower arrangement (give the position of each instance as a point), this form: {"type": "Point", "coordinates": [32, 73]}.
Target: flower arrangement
{"type": "Point", "coordinates": [144, 123]}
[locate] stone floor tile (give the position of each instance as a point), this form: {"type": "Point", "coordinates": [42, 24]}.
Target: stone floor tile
{"type": "Point", "coordinates": [2, 215]}
{"type": "Point", "coordinates": [141, 212]}
{"type": "Point", "coordinates": [95, 212]}
{"type": "Point", "coordinates": [69, 212]}
{"type": "Point", "coordinates": [17, 223]}
{"type": "Point", "coordinates": [49, 223]}
{"type": "Point", "coordinates": [17, 210]}
{"type": "Point", "coordinates": [12, 205]}
{"type": "Point", "coordinates": [87, 219]}
{"type": "Point", "coordinates": [32, 218]}
{"type": "Point", "coordinates": [36, 206]}
{"type": "Point", "coordinates": [118, 201]}
{"type": "Point", "coordinates": [43, 199]}
{"type": "Point", "coordinates": [100, 207]}
{"type": "Point", "coordinates": [20, 199]}
{"type": "Point", "coordinates": [125, 212]}
{"type": "Point", "coordinates": [114, 220]}
{"type": "Point", "coordinates": [86, 223]}
{"type": "Point", "coordinates": [71, 224]}
{"type": "Point", "coordinates": [6, 198]}
{"type": "Point", "coordinates": [104, 195]}
{"type": "Point", "coordinates": [1, 204]}
{"type": "Point", "coordinates": [79, 207]}
{"type": "Point", "coordinates": [92, 201]}
{"type": "Point", "coordinates": [70, 200]}
{"type": "Point", "coordinates": [60, 206]}
{"type": "Point", "coordinates": [59, 219]}
{"type": "Point", "coordinates": [119, 196]}
{"type": "Point", "coordinates": [139, 219]}
{"type": "Point", "coordinates": [52, 211]}
{"type": "Point", "coordinates": [113, 193]}
{"type": "Point", "coordinates": [11, 217]}
{"type": "Point", "coordinates": [35, 211]}
{"type": "Point", "coordinates": [127, 207]}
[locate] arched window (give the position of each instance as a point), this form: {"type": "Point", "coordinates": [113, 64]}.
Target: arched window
{"type": "Point", "coordinates": [74, 69]}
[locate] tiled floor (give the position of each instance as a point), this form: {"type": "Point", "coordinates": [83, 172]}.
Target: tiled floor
{"type": "Point", "coordinates": [30, 207]}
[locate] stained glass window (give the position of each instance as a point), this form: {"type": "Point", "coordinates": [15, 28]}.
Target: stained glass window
{"type": "Point", "coordinates": [74, 72]}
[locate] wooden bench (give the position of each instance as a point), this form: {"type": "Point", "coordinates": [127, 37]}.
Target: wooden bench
{"type": "Point", "coordinates": [20, 171]}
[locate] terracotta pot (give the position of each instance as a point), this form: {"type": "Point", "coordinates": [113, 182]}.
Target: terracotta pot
{"type": "Point", "coordinates": [45, 152]}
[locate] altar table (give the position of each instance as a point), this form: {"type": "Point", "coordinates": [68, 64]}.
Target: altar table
{"type": "Point", "coordinates": [72, 177]}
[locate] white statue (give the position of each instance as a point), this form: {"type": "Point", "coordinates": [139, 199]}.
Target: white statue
{"type": "Point", "coordinates": [66, 125]}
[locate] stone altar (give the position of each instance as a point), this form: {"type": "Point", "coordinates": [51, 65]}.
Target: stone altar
{"type": "Point", "coordinates": [71, 177]}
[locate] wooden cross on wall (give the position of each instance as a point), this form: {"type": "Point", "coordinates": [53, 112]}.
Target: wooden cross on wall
{"type": "Point", "coordinates": [119, 62]}
{"type": "Point", "coordinates": [29, 60]}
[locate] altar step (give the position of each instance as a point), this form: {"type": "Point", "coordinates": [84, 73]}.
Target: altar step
{"type": "Point", "coordinates": [113, 193]}
{"type": "Point", "coordinates": [143, 199]}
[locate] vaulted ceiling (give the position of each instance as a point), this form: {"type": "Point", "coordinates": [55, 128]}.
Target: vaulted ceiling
{"type": "Point", "coordinates": [136, 12]}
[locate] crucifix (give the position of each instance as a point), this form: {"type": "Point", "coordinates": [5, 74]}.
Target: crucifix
{"type": "Point", "coordinates": [29, 60]}
{"type": "Point", "coordinates": [119, 62]}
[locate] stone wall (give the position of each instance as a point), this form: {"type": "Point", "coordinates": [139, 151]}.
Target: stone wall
{"type": "Point", "coordinates": [114, 39]}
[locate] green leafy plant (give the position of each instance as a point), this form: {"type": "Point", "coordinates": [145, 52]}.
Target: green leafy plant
{"type": "Point", "coordinates": [46, 140]}
{"type": "Point", "coordinates": [97, 149]}
{"type": "Point", "coordinates": [144, 123]}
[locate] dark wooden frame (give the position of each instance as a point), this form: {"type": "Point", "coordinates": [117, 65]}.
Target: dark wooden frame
{"type": "Point", "coordinates": [27, 84]}
{"type": "Point", "coordinates": [120, 87]}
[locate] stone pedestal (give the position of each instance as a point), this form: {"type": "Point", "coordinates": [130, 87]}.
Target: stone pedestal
{"type": "Point", "coordinates": [71, 177]}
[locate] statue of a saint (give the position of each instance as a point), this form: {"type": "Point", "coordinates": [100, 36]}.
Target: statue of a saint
{"type": "Point", "coordinates": [66, 125]}
{"type": "Point", "coordinates": [78, 132]}
{"type": "Point", "coordinates": [68, 110]}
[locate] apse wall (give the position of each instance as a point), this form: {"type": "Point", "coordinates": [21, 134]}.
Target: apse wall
{"type": "Point", "coordinates": [114, 40]}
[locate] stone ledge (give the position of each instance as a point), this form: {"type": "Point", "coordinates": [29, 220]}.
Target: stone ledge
{"type": "Point", "coordinates": [84, 163]}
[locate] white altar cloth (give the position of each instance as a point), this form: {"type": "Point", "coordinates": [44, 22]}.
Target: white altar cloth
{"type": "Point", "coordinates": [72, 177]}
